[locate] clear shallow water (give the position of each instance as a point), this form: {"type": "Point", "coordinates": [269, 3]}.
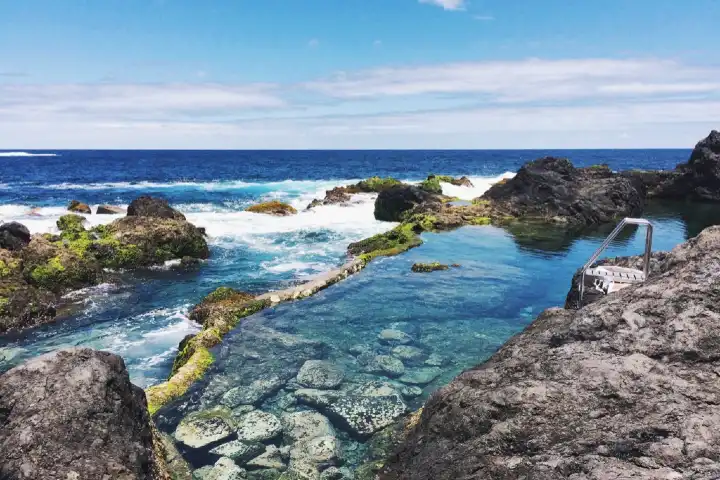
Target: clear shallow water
{"type": "Point", "coordinates": [142, 316]}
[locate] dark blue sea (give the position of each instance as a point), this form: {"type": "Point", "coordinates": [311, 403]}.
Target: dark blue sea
{"type": "Point", "coordinates": [462, 315]}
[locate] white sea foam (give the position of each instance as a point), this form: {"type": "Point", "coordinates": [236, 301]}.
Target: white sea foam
{"type": "Point", "coordinates": [480, 186]}
{"type": "Point", "coordinates": [27, 154]}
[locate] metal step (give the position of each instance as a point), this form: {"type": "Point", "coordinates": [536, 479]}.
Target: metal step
{"type": "Point", "coordinates": [609, 278]}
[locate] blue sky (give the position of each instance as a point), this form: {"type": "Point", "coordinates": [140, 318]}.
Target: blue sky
{"type": "Point", "coordinates": [358, 73]}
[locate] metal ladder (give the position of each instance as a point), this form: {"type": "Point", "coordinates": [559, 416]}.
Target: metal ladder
{"type": "Point", "coordinates": [616, 278]}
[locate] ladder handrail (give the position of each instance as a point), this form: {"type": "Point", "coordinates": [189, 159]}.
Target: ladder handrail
{"type": "Point", "coordinates": [625, 222]}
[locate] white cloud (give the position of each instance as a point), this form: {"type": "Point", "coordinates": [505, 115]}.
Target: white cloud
{"type": "Point", "coordinates": [447, 4]}
{"type": "Point", "coordinates": [526, 80]}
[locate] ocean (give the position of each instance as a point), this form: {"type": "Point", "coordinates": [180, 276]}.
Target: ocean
{"type": "Point", "coordinates": [462, 315]}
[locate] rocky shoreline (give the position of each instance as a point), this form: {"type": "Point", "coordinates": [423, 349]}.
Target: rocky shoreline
{"type": "Point", "coordinates": [624, 387]}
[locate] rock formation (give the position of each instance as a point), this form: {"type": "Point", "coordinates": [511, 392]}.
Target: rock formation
{"type": "Point", "coordinates": [74, 414]}
{"type": "Point", "coordinates": [392, 203]}
{"type": "Point", "coordinates": [79, 207]}
{"type": "Point", "coordinates": [14, 236]}
{"type": "Point", "coordinates": [274, 207]}
{"type": "Point", "coordinates": [626, 387]}
{"type": "Point", "coordinates": [153, 207]}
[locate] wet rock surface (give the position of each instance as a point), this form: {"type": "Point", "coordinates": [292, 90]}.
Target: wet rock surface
{"type": "Point", "coordinates": [74, 414]}
{"type": "Point", "coordinates": [392, 203]}
{"type": "Point", "coordinates": [553, 189]}
{"type": "Point", "coordinates": [14, 236]}
{"type": "Point", "coordinates": [623, 388]}
{"type": "Point", "coordinates": [153, 207]}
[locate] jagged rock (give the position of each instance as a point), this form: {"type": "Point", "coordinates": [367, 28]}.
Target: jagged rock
{"type": "Point", "coordinates": [226, 469]}
{"type": "Point", "coordinates": [253, 394]}
{"type": "Point", "coordinates": [421, 376]}
{"type": "Point", "coordinates": [361, 415]}
{"type": "Point", "coordinates": [239, 451]}
{"type": "Point", "coordinates": [177, 467]}
{"type": "Point", "coordinates": [320, 374]}
{"type": "Point", "coordinates": [306, 457]}
{"type": "Point", "coordinates": [392, 203]}
{"type": "Point", "coordinates": [203, 428]}
{"type": "Point", "coordinates": [552, 189]}
{"type": "Point", "coordinates": [258, 426]}
{"type": "Point", "coordinates": [270, 459]}
{"type": "Point", "coordinates": [428, 267]}
{"type": "Point", "coordinates": [626, 387]}
{"type": "Point", "coordinates": [14, 236]}
{"type": "Point", "coordinates": [153, 207]}
{"type": "Point", "coordinates": [74, 414]}
{"type": "Point", "coordinates": [79, 207]}
{"type": "Point", "coordinates": [109, 210]}
{"type": "Point", "coordinates": [411, 391]}
{"type": "Point", "coordinates": [394, 337]}
{"type": "Point", "coordinates": [303, 426]}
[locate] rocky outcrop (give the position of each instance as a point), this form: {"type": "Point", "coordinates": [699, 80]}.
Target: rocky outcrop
{"type": "Point", "coordinates": [432, 183]}
{"type": "Point", "coordinates": [153, 207]}
{"type": "Point", "coordinates": [393, 203]}
{"type": "Point", "coordinates": [697, 180]}
{"type": "Point", "coordinates": [626, 387]}
{"type": "Point", "coordinates": [109, 210]}
{"type": "Point", "coordinates": [36, 271]}
{"type": "Point", "coordinates": [74, 414]}
{"type": "Point", "coordinates": [14, 236]}
{"type": "Point", "coordinates": [79, 207]}
{"type": "Point", "coordinates": [274, 207]}
{"type": "Point", "coordinates": [552, 189]}
{"type": "Point", "coordinates": [428, 267]}
{"type": "Point", "coordinates": [343, 195]}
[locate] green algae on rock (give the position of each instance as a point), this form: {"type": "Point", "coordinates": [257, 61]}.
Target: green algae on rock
{"type": "Point", "coordinates": [273, 207]}
{"type": "Point", "coordinates": [428, 267]}
{"type": "Point", "coordinates": [398, 240]}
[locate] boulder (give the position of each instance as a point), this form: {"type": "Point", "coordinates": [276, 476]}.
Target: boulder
{"type": "Point", "coordinates": [258, 426]}
{"type": "Point", "coordinates": [153, 207]}
{"type": "Point", "coordinates": [14, 236]}
{"type": "Point", "coordinates": [239, 451]}
{"type": "Point", "coordinates": [320, 374]}
{"type": "Point", "coordinates": [359, 413]}
{"type": "Point", "coordinates": [254, 393]}
{"type": "Point", "coordinates": [388, 365]}
{"type": "Point", "coordinates": [393, 336]}
{"type": "Point", "coordinates": [225, 469]}
{"type": "Point", "coordinates": [306, 425]}
{"type": "Point", "coordinates": [74, 414]}
{"type": "Point", "coordinates": [109, 210]}
{"type": "Point", "coordinates": [271, 458]}
{"type": "Point", "coordinates": [421, 376]}
{"type": "Point", "coordinates": [273, 207]}
{"type": "Point", "coordinates": [552, 189]}
{"type": "Point", "coordinates": [393, 202]}
{"type": "Point", "coordinates": [408, 353]}
{"type": "Point", "coordinates": [203, 428]}
{"type": "Point", "coordinates": [79, 207]}
{"type": "Point", "coordinates": [626, 387]}
{"type": "Point", "coordinates": [428, 267]}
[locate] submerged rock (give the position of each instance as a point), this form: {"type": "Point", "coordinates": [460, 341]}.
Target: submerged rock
{"type": "Point", "coordinates": [79, 207]}
{"type": "Point", "coordinates": [361, 415]}
{"type": "Point", "coordinates": [74, 414]}
{"type": "Point", "coordinates": [274, 207]}
{"type": "Point", "coordinates": [428, 267]}
{"type": "Point", "coordinates": [271, 458]}
{"type": "Point", "coordinates": [258, 426]}
{"type": "Point", "coordinates": [254, 393]}
{"type": "Point", "coordinates": [203, 428]}
{"type": "Point", "coordinates": [626, 387]}
{"type": "Point", "coordinates": [306, 425]}
{"type": "Point", "coordinates": [225, 469]}
{"type": "Point", "coordinates": [14, 236]}
{"type": "Point", "coordinates": [421, 376]}
{"type": "Point", "coordinates": [320, 374]}
{"type": "Point", "coordinates": [153, 207]}
{"type": "Point", "coordinates": [394, 337]}
{"type": "Point", "coordinates": [408, 353]}
{"type": "Point", "coordinates": [239, 451]}
{"type": "Point", "coordinates": [388, 365]}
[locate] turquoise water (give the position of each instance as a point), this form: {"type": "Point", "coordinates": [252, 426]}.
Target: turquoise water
{"type": "Point", "coordinates": [456, 318]}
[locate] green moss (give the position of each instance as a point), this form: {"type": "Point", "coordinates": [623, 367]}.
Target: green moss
{"type": "Point", "coordinates": [7, 268]}
{"type": "Point", "coordinates": [423, 221]}
{"type": "Point", "coordinates": [480, 221]}
{"type": "Point", "coordinates": [50, 274]}
{"type": "Point", "coordinates": [71, 223]}
{"type": "Point", "coordinates": [377, 184]}
{"type": "Point", "coordinates": [221, 293]}
{"type": "Point", "coordinates": [3, 302]}
{"type": "Point", "coordinates": [432, 183]}
{"type": "Point", "coordinates": [78, 242]}
{"type": "Point", "coordinates": [428, 267]}
{"type": "Point", "coordinates": [195, 368]}
{"type": "Point", "coordinates": [251, 308]}
{"type": "Point", "coordinates": [480, 201]}
{"type": "Point", "coordinates": [273, 207]}
{"type": "Point", "coordinates": [394, 242]}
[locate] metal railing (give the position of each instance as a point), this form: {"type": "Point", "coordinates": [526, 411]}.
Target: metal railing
{"type": "Point", "coordinates": [610, 238]}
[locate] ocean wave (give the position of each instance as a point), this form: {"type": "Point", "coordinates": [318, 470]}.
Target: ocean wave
{"type": "Point", "coordinates": [283, 185]}
{"type": "Point", "coordinates": [27, 154]}
{"type": "Point", "coordinates": [480, 186]}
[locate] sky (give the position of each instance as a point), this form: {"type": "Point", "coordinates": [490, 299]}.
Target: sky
{"type": "Point", "coordinates": [358, 74]}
